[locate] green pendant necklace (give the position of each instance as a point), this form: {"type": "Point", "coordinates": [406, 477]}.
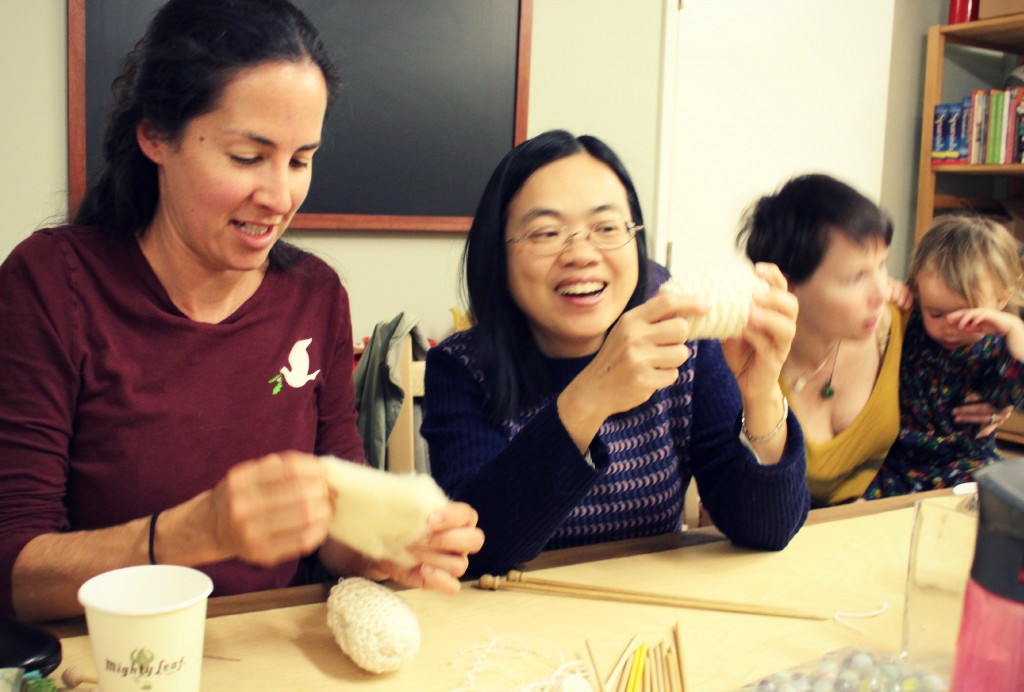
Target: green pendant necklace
{"type": "Point", "coordinates": [828, 391]}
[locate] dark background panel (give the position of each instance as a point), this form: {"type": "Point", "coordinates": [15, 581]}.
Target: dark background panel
{"type": "Point", "coordinates": [427, 109]}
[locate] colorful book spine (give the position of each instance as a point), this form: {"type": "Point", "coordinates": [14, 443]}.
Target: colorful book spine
{"type": "Point", "coordinates": [994, 145]}
{"type": "Point", "coordinates": [951, 149]}
{"type": "Point", "coordinates": [1018, 152]}
{"type": "Point", "coordinates": [986, 127]}
{"type": "Point", "coordinates": [1006, 135]}
{"type": "Point", "coordinates": [979, 116]}
{"type": "Point", "coordinates": [963, 137]}
{"type": "Point", "coordinates": [939, 129]}
{"type": "Point", "coordinates": [1015, 96]}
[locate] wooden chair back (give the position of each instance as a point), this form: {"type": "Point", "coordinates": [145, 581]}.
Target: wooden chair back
{"type": "Point", "coordinates": [401, 445]}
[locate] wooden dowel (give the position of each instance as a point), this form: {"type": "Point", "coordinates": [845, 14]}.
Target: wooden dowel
{"type": "Point", "coordinates": [648, 671]}
{"type": "Point", "coordinates": [593, 664]}
{"type": "Point", "coordinates": [626, 674]}
{"type": "Point", "coordinates": [659, 667]}
{"type": "Point", "coordinates": [648, 597]}
{"type": "Point", "coordinates": [72, 677]}
{"type": "Point", "coordinates": [603, 593]}
{"type": "Point", "coordinates": [677, 637]}
{"type": "Point", "coordinates": [673, 668]}
{"type": "Point", "coordinates": [590, 674]}
{"type": "Point", "coordinates": [612, 683]}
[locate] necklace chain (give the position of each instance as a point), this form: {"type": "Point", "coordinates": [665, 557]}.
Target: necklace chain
{"type": "Point", "coordinates": [801, 382]}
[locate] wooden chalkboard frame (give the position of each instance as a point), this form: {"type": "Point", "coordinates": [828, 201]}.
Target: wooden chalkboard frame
{"type": "Point", "coordinates": [77, 132]}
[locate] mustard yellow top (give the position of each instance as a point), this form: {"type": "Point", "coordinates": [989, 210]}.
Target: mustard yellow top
{"type": "Point", "coordinates": [840, 469]}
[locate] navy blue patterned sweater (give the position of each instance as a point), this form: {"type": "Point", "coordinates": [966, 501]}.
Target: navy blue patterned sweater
{"type": "Point", "coordinates": [534, 490]}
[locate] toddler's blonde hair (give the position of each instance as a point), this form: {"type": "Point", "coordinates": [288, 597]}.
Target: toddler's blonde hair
{"type": "Point", "coordinates": [966, 249]}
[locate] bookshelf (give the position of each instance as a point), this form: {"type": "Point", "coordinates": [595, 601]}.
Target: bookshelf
{"type": "Point", "coordinates": [1001, 34]}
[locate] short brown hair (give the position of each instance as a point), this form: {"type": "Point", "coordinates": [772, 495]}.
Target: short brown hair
{"type": "Point", "coordinates": [962, 249]}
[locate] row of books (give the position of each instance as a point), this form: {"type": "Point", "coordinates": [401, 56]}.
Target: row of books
{"type": "Point", "coordinates": [986, 127]}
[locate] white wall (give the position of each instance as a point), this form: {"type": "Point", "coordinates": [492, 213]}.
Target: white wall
{"type": "Point", "coordinates": [33, 122]}
{"type": "Point", "coordinates": [898, 194]}
{"type": "Point", "coordinates": [765, 91]}
{"type": "Point", "coordinates": [969, 69]}
{"type": "Point", "coordinates": [597, 70]}
{"type": "Point", "coordinates": [578, 81]}
{"type": "Point", "coordinates": [709, 107]}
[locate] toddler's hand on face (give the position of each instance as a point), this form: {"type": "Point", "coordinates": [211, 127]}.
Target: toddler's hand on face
{"type": "Point", "coordinates": [983, 320]}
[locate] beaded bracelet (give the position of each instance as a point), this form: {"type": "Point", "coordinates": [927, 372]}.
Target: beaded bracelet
{"type": "Point", "coordinates": [773, 432]}
{"type": "Point", "coordinates": [152, 535]}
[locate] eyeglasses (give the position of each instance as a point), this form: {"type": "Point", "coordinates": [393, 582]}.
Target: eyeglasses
{"type": "Point", "coordinates": [607, 235]}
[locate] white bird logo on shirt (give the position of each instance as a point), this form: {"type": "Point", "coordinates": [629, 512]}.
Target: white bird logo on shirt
{"type": "Point", "coordinates": [296, 373]}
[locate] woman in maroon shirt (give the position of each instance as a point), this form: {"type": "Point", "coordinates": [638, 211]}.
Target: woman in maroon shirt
{"type": "Point", "coordinates": [171, 368]}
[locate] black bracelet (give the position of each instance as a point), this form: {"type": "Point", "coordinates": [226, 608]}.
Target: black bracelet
{"type": "Point", "coordinates": [152, 535]}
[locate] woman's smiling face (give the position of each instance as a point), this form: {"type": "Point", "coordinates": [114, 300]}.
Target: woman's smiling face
{"type": "Point", "coordinates": [570, 299]}
{"type": "Point", "coordinates": [231, 185]}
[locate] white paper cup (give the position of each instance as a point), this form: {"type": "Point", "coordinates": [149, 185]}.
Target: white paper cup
{"type": "Point", "coordinates": [146, 627]}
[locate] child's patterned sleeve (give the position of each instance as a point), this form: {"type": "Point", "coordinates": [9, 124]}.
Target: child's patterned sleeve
{"type": "Point", "coordinates": [1010, 383]}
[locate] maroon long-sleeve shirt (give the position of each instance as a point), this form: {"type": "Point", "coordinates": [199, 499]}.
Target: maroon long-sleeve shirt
{"type": "Point", "coordinates": [114, 404]}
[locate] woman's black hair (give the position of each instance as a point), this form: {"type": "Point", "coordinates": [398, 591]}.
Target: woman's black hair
{"type": "Point", "coordinates": [178, 71]}
{"type": "Point", "coordinates": [792, 228]}
{"type": "Point", "coordinates": [514, 373]}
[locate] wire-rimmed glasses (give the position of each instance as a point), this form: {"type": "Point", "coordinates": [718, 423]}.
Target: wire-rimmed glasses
{"type": "Point", "coordinates": [606, 235]}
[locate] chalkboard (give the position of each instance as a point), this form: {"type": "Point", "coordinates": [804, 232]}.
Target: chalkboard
{"type": "Point", "coordinates": [434, 95]}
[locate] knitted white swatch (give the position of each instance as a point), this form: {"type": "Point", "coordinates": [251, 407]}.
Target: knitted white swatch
{"type": "Point", "coordinates": [728, 291]}
{"type": "Point", "coordinates": [372, 625]}
{"type": "Point", "coordinates": [379, 513]}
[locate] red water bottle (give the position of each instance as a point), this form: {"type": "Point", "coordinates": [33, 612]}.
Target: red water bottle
{"type": "Point", "coordinates": [990, 648]}
{"type": "Point", "coordinates": [961, 11]}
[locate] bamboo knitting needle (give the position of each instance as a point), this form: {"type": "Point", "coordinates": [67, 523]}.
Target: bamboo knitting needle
{"type": "Point", "coordinates": [679, 655]}
{"type": "Point", "coordinates": [517, 581]}
{"type": "Point", "coordinates": [663, 599]}
{"type": "Point", "coordinates": [649, 671]}
{"type": "Point", "coordinates": [593, 664]}
{"type": "Point", "coordinates": [72, 678]}
{"type": "Point", "coordinates": [659, 667]}
{"type": "Point", "coordinates": [619, 669]}
{"type": "Point", "coordinates": [675, 676]}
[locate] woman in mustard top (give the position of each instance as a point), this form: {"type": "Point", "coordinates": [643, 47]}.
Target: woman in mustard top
{"type": "Point", "coordinates": [842, 373]}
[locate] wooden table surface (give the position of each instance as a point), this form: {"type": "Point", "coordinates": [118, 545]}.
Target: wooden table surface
{"type": "Point", "coordinates": [849, 559]}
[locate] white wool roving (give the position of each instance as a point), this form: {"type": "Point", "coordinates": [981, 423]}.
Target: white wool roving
{"type": "Point", "coordinates": [379, 513]}
{"type": "Point", "coordinates": [372, 625]}
{"type": "Point", "coordinates": [728, 291]}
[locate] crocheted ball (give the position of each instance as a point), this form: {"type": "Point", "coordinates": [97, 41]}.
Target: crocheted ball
{"type": "Point", "coordinates": [728, 291]}
{"type": "Point", "coordinates": [372, 625]}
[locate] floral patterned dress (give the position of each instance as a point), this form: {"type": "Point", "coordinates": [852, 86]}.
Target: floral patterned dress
{"type": "Point", "coordinates": [932, 450]}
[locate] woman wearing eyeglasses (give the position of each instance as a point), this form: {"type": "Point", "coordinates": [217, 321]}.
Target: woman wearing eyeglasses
{"type": "Point", "coordinates": [575, 410]}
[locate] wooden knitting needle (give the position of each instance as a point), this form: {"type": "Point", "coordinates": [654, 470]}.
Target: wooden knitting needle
{"type": "Point", "coordinates": [677, 637]}
{"type": "Point", "coordinates": [593, 664]}
{"type": "Point", "coordinates": [619, 669]}
{"type": "Point", "coordinates": [675, 677]}
{"type": "Point", "coordinates": [677, 601]}
{"type": "Point", "coordinates": [72, 678]}
{"type": "Point", "coordinates": [517, 581]}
